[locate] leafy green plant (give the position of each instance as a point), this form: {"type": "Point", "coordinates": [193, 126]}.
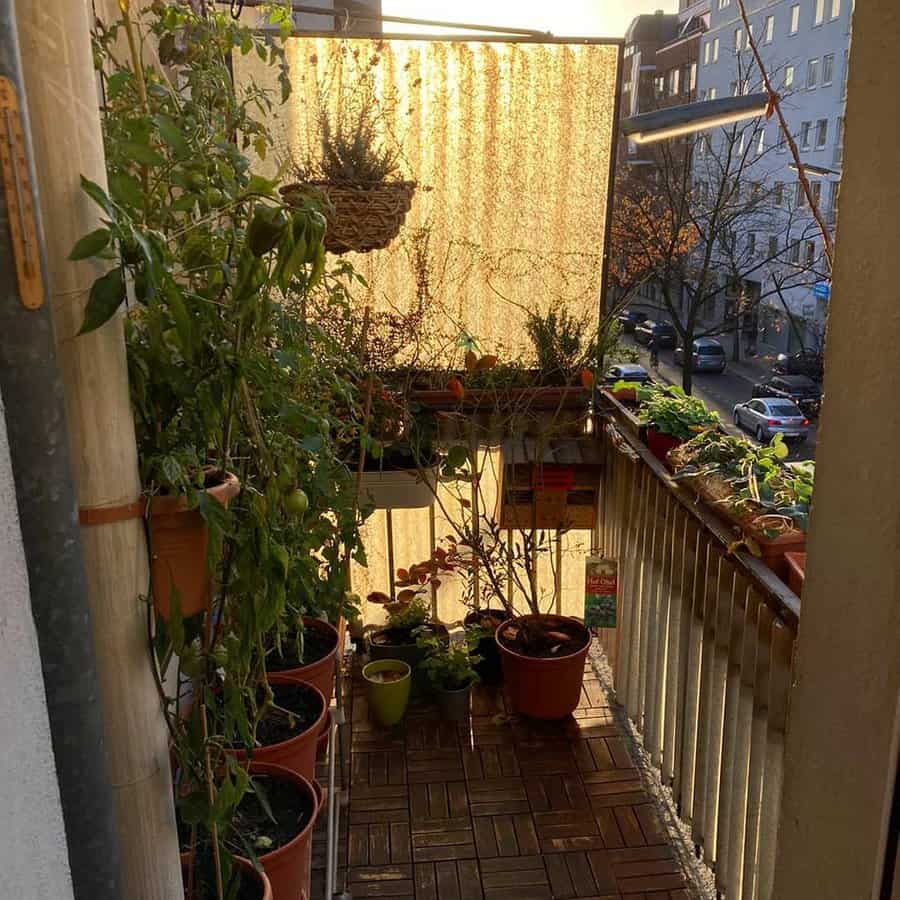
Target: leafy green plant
{"type": "Point", "coordinates": [409, 615]}
{"type": "Point", "coordinates": [451, 666]}
{"type": "Point", "coordinates": [225, 370]}
{"type": "Point", "coordinates": [762, 486]}
{"type": "Point", "coordinates": [670, 411]}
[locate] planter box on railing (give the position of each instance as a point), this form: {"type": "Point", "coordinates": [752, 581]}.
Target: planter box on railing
{"type": "Point", "coordinates": [625, 416]}
{"type": "Point", "coordinates": [399, 488]}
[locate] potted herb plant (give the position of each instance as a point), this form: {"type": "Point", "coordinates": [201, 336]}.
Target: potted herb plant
{"type": "Point", "coordinates": [672, 417]}
{"type": "Point", "coordinates": [407, 620]}
{"type": "Point", "coordinates": [353, 161]}
{"type": "Point", "coordinates": [451, 670]}
{"type": "Point", "coordinates": [754, 488]}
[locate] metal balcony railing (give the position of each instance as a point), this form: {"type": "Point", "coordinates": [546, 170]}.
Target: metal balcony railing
{"type": "Point", "coordinates": [703, 658]}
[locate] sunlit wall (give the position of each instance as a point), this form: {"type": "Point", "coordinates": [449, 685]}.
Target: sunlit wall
{"type": "Point", "coordinates": [511, 147]}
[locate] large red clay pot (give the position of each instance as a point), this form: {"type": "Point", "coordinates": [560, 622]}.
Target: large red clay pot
{"type": "Point", "coordinates": [264, 886]}
{"type": "Point", "coordinates": [543, 688]}
{"type": "Point", "coordinates": [179, 538]}
{"type": "Point", "coordinates": [321, 672]}
{"type": "Point", "coordinates": [660, 445]}
{"type": "Point", "coordinates": [288, 867]}
{"type": "Point", "coordinates": [299, 752]}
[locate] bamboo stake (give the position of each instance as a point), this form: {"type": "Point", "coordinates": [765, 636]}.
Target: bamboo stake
{"type": "Point", "coordinates": [62, 104]}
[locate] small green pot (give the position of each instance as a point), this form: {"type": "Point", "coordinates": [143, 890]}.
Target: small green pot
{"type": "Point", "coordinates": [387, 700]}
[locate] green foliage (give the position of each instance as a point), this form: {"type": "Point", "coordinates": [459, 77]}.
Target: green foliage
{"type": "Point", "coordinates": [560, 343]}
{"type": "Point", "coordinates": [761, 482]}
{"type": "Point", "coordinates": [225, 371]}
{"type": "Point", "coordinates": [671, 411]}
{"type": "Point", "coordinates": [410, 615]}
{"type": "Point", "coordinates": [451, 666]}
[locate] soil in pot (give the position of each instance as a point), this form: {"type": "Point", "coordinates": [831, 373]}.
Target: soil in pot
{"type": "Point", "coordinates": [387, 677]}
{"type": "Point", "coordinates": [311, 659]}
{"type": "Point", "coordinates": [289, 736]}
{"type": "Point", "coordinates": [490, 670]}
{"type": "Point", "coordinates": [291, 808]}
{"type": "Point", "coordinates": [543, 664]}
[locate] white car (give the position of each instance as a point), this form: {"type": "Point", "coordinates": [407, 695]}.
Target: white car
{"type": "Point", "coordinates": [767, 416]}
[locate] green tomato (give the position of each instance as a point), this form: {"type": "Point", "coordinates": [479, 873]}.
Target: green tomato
{"type": "Point", "coordinates": [296, 503]}
{"type": "Point", "coordinates": [285, 478]}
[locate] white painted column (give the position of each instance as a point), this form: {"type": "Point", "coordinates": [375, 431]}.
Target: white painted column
{"type": "Point", "coordinates": [33, 856]}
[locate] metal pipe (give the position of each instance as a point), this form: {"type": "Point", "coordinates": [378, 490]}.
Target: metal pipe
{"type": "Point", "coordinates": [399, 20]}
{"type": "Point", "coordinates": [32, 389]}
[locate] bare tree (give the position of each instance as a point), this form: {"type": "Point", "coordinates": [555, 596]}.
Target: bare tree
{"type": "Point", "coordinates": [709, 225]}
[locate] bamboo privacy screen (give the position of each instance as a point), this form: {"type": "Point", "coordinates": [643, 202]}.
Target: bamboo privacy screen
{"type": "Point", "coordinates": [511, 146]}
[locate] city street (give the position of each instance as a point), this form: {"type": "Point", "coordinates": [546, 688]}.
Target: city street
{"type": "Point", "coordinates": [719, 392]}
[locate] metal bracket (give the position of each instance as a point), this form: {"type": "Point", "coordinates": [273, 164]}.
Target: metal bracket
{"type": "Point", "coordinates": [17, 188]}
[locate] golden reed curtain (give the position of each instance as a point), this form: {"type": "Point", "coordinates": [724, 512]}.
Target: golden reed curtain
{"type": "Point", "coordinates": [510, 144]}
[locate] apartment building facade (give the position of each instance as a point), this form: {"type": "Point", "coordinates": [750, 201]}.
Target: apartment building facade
{"type": "Point", "coordinates": [805, 46]}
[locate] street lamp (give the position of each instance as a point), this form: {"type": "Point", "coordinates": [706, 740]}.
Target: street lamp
{"type": "Point", "coordinates": [692, 117]}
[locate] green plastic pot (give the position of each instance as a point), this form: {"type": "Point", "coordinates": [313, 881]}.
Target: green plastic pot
{"type": "Point", "coordinates": [387, 700]}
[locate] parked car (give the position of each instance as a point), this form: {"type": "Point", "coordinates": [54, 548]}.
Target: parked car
{"type": "Point", "coordinates": [630, 319]}
{"type": "Point", "coordinates": [798, 388]}
{"type": "Point", "coordinates": [626, 372]}
{"type": "Point", "coordinates": [804, 362]}
{"type": "Point", "coordinates": [765, 417]}
{"type": "Point", "coordinates": [708, 356]}
{"type": "Point", "coordinates": [664, 333]}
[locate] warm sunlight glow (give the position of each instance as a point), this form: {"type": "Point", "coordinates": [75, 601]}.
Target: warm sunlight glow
{"type": "Point", "coordinates": [588, 18]}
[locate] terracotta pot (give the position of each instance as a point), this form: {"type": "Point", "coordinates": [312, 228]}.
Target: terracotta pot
{"type": "Point", "coordinates": [625, 395]}
{"type": "Point", "coordinates": [322, 739]}
{"type": "Point", "coordinates": [179, 538]}
{"type": "Point", "coordinates": [299, 752]}
{"type": "Point", "coordinates": [660, 444]}
{"type": "Point", "coordinates": [543, 688]}
{"type": "Point", "coordinates": [288, 867]}
{"type": "Point", "coordinates": [490, 669]}
{"type": "Point", "coordinates": [773, 550]}
{"type": "Point", "coordinates": [796, 563]}
{"type": "Point", "coordinates": [320, 673]}
{"type": "Point", "coordinates": [246, 867]}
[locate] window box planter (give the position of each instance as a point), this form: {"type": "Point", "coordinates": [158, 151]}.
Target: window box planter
{"type": "Point", "coordinates": [661, 445]}
{"type": "Point", "coordinates": [624, 415]}
{"type": "Point", "coordinates": [399, 488]}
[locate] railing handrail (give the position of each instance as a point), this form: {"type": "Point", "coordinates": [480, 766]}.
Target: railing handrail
{"type": "Point", "coordinates": [783, 602]}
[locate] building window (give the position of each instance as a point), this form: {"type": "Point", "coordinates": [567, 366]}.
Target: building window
{"type": "Point", "coordinates": [820, 13]}
{"type": "Point", "coordinates": [716, 50]}
{"type": "Point", "coordinates": [693, 77]}
{"type": "Point", "coordinates": [795, 18]}
{"type": "Point", "coordinates": [810, 253]}
{"type": "Point", "coordinates": [734, 89]}
{"type": "Point", "coordinates": [795, 253]}
{"type": "Point", "coordinates": [773, 247]}
{"type": "Point", "coordinates": [749, 36]}
{"type": "Point", "coordinates": [660, 85]}
{"type": "Point", "coordinates": [789, 76]}
{"type": "Point", "coordinates": [778, 193]}
{"type": "Point", "coordinates": [761, 142]}
{"type": "Point", "coordinates": [816, 189]}
{"type": "Point", "coordinates": [770, 29]}
{"type": "Point", "coordinates": [724, 3]}
{"type": "Point", "coordinates": [828, 69]}
{"type": "Point", "coordinates": [801, 196]}
{"type": "Point", "coordinates": [839, 142]}
{"type": "Point", "coordinates": [674, 81]}
{"type": "Point", "coordinates": [751, 243]}
{"type": "Point", "coordinates": [821, 134]}
{"type": "Point", "coordinates": [805, 128]}
{"type": "Point", "coordinates": [738, 39]}
{"type": "Point", "coordinates": [706, 51]}
{"type": "Point", "coordinates": [835, 8]}
{"type": "Point", "coordinates": [834, 194]}
{"type": "Point", "coordinates": [782, 140]}
{"type": "Point", "coordinates": [812, 74]}
{"type": "Point", "coordinates": [740, 148]}
{"type": "Point", "coordinates": [846, 74]}
{"type": "Point", "coordinates": [712, 93]}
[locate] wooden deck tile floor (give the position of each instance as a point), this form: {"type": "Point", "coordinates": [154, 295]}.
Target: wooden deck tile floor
{"type": "Point", "coordinates": [500, 807]}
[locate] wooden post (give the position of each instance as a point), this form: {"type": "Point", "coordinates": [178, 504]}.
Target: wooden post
{"type": "Point", "coordinates": [62, 104]}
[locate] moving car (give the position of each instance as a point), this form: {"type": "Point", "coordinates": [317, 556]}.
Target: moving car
{"type": "Point", "coordinates": [798, 388]}
{"type": "Point", "coordinates": [626, 372]}
{"type": "Point", "coordinates": [664, 333]}
{"type": "Point", "coordinates": [804, 362]}
{"type": "Point", "coordinates": [708, 356]}
{"type": "Point", "coordinates": [630, 319]}
{"type": "Point", "coordinates": [765, 417]}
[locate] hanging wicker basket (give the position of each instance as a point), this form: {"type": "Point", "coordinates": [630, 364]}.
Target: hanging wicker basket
{"type": "Point", "coordinates": [361, 218]}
